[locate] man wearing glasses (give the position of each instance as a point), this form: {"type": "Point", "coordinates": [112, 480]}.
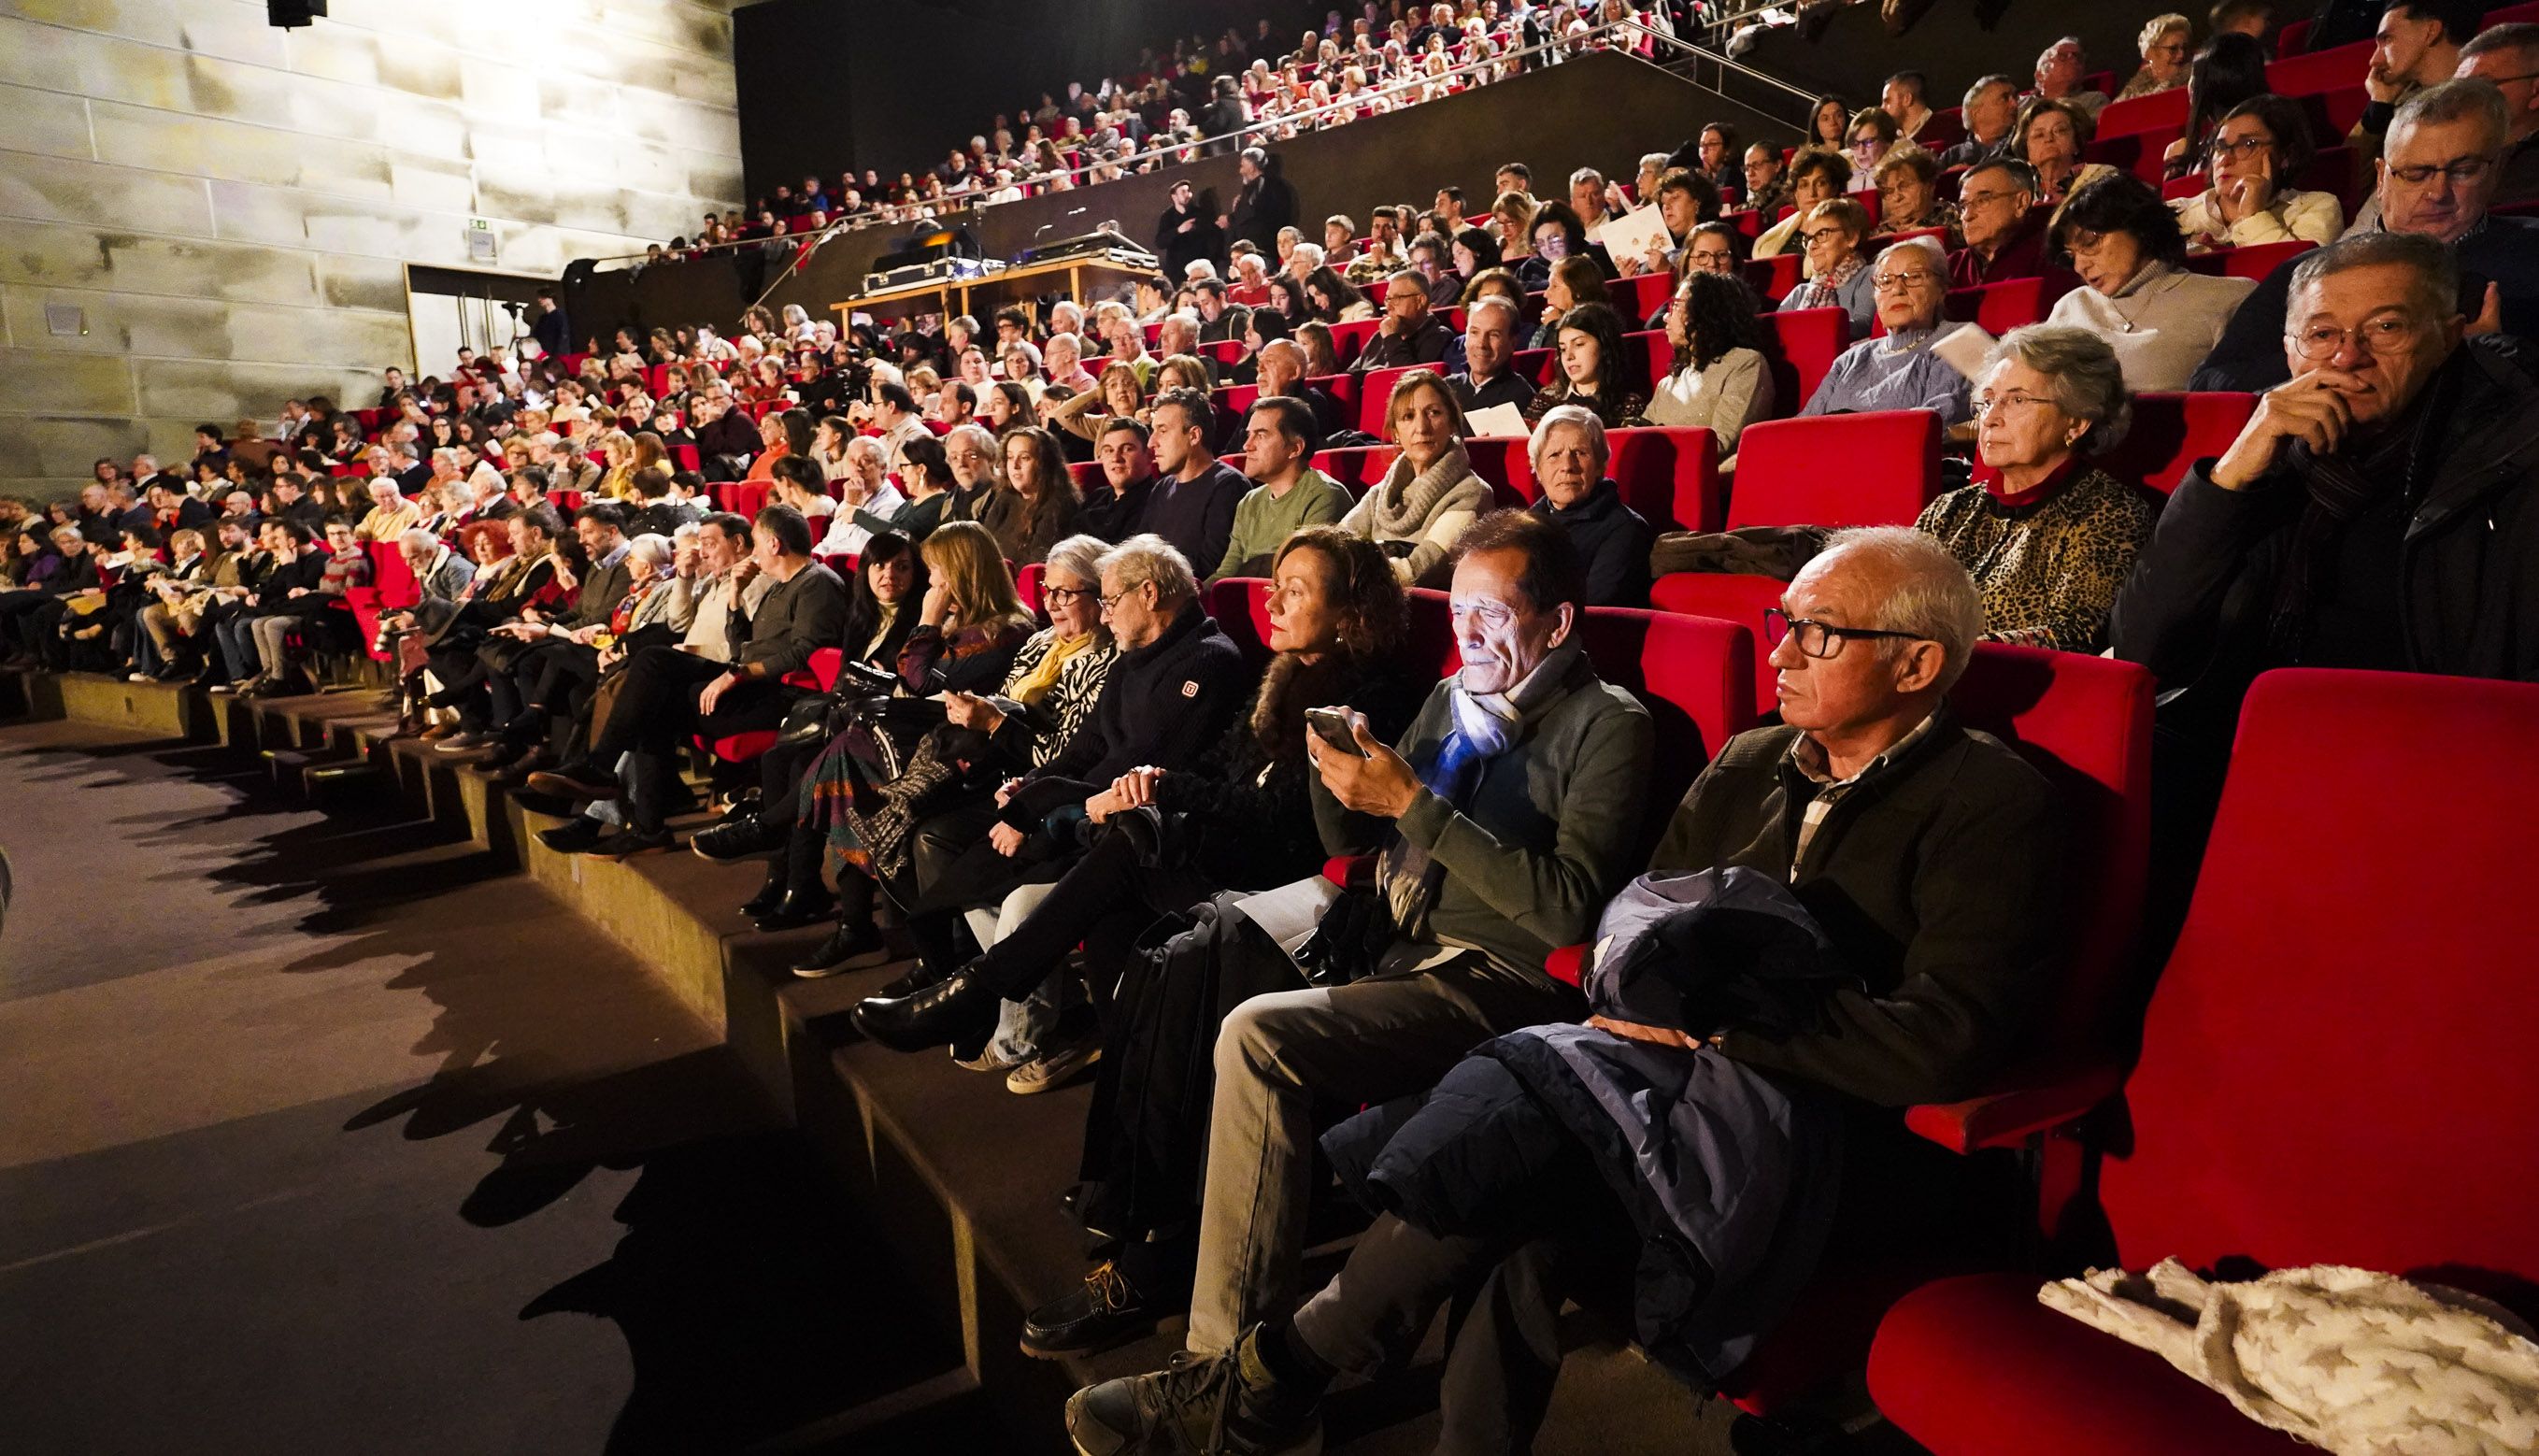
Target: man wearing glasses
{"type": "Point", "coordinates": [2507, 57]}
{"type": "Point", "coordinates": [2437, 180]}
{"type": "Point", "coordinates": [1994, 202]}
{"type": "Point", "coordinates": [2379, 511]}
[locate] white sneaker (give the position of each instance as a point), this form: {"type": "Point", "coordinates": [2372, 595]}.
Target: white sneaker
{"type": "Point", "coordinates": [136, 677]}
{"type": "Point", "coordinates": [988, 1060]}
{"type": "Point", "coordinates": [1052, 1070]}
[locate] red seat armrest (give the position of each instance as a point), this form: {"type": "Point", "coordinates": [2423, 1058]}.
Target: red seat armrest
{"type": "Point", "coordinates": [1565, 964]}
{"type": "Point", "coordinates": [2009, 1119]}
{"type": "Point", "coordinates": [1350, 872]}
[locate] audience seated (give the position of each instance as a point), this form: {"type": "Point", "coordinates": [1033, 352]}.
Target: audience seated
{"type": "Point", "coordinates": [1430, 493]}
{"type": "Point", "coordinates": [1909, 195]}
{"type": "Point", "coordinates": [2049, 537]}
{"type": "Point", "coordinates": [1899, 371]}
{"type": "Point", "coordinates": [2260, 147]}
{"type": "Point", "coordinates": [1488, 378]}
{"type": "Point", "coordinates": [1410, 333]}
{"type": "Point", "coordinates": [2507, 57]}
{"type": "Point", "coordinates": [2376, 512]}
{"type": "Point", "coordinates": [1817, 175]}
{"type": "Point", "coordinates": [1996, 214]}
{"type": "Point", "coordinates": [1989, 111]}
{"type": "Point", "coordinates": [1719, 379]}
{"type": "Point", "coordinates": [1568, 453]}
{"type": "Point", "coordinates": [1287, 493]}
{"type": "Point", "coordinates": [2136, 292]}
{"type": "Point", "coordinates": [2438, 176]}
{"type": "Point", "coordinates": [2166, 43]}
{"type": "Point", "coordinates": [1593, 369]}
{"type": "Point", "coordinates": [1838, 273]}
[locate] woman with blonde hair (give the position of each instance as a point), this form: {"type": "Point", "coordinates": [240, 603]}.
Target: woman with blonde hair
{"type": "Point", "coordinates": [1430, 494]}
{"type": "Point", "coordinates": [2165, 44]}
{"type": "Point", "coordinates": [1116, 393]}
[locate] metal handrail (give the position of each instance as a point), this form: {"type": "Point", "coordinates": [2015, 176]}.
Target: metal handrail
{"type": "Point", "coordinates": [1558, 45]}
{"type": "Point", "coordinates": [1725, 62]}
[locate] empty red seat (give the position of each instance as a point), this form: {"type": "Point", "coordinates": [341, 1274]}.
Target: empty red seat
{"type": "Point", "coordinates": [1349, 338]}
{"type": "Point", "coordinates": [1811, 339]}
{"type": "Point", "coordinates": [2316, 71]}
{"type": "Point", "coordinates": [2241, 1141]}
{"type": "Point", "coordinates": [2255, 261]}
{"type": "Point", "coordinates": [1375, 396]}
{"type": "Point", "coordinates": [2171, 431]}
{"type": "Point", "coordinates": [2161, 109]}
{"type": "Point", "coordinates": [1360, 469]}
{"type": "Point", "coordinates": [687, 457]}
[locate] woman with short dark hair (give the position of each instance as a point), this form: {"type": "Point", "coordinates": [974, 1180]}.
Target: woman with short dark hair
{"type": "Point", "coordinates": [2136, 293]}
{"type": "Point", "coordinates": [2255, 153]}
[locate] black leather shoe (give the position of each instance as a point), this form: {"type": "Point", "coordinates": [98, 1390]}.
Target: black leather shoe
{"type": "Point", "coordinates": [960, 1008]}
{"type": "Point", "coordinates": [737, 837]}
{"type": "Point", "coordinates": [856, 945]}
{"type": "Point", "coordinates": [1103, 1311]}
{"type": "Point", "coordinates": [629, 842]}
{"type": "Point", "coordinates": [919, 977]}
{"type": "Point", "coordinates": [572, 837]}
{"type": "Point", "coordinates": [798, 909]}
{"type": "Point", "coordinates": [769, 895]}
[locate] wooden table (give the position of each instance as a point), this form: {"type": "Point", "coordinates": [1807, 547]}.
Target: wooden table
{"type": "Point", "coordinates": [955, 295]}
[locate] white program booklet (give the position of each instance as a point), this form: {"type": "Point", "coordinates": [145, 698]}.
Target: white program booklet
{"type": "Point", "coordinates": [1964, 348]}
{"type": "Point", "coordinates": [1499, 421]}
{"type": "Point", "coordinates": [1632, 234]}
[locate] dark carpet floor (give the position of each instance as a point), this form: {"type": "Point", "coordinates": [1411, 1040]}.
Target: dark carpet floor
{"type": "Point", "coordinates": [320, 1134]}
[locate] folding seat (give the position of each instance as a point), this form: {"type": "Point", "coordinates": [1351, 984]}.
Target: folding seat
{"type": "Point", "coordinates": [1638, 297]}
{"type": "Point", "coordinates": [1349, 338]}
{"type": "Point", "coordinates": [1027, 586]}
{"type": "Point", "coordinates": [1775, 276]}
{"type": "Point", "coordinates": [1876, 468]}
{"type": "Point", "coordinates": [1236, 400]}
{"type": "Point", "coordinates": [1360, 469]}
{"type": "Point", "coordinates": [1657, 355]}
{"type": "Point", "coordinates": [1225, 352]}
{"type": "Point", "coordinates": [748, 498]}
{"type": "Point", "coordinates": [2161, 109]}
{"type": "Point", "coordinates": [1943, 130]}
{"type": "Point", "coordinates": [1810, 340]}
{"type": "Point", "coordinates": [1344, 388]}
{"type": "Point", "coordinates": [2334, 1069]}
{"type": "Point", "coordinates": [1087, 473]}
{"type": "Point", "coordinates": [2316, 71]}
{"type": "Point", "coordinates": [1535, 364]}
{"type": "Point", "coordinates": [2171, 431]}
{"type": "Point", "coordinates": [689, 459]}
{"type": "Point", "coordinates": [1374, 394]}
{"type": "Point", "coordinates": [1241, 607]}
{"type": "Point", "coordinates": [2254, 261]}
{"type": "Point", "coordinates": [1694, 675]}
{"type": "Point", "coordinates": [1432, 631]}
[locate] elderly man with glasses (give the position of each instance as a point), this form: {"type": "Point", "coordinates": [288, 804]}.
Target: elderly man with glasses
{"type": "Point", "coordinates": [2437, 178]}
{"type": "Point", "coordinates": [2005, 239]}
{"type": "Point", "coordinates": [1933, 856]}
{"type": "Point", "coordinates": [2379, 511]}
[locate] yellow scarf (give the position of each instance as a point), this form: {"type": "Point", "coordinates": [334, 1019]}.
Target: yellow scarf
{"type": "Point", "coordinates": [1035, 684]}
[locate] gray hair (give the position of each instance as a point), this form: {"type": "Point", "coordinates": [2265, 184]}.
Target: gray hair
{"type": "Point", "coordinates": [2471, 98]}
{"type": "Point", "coordinates": [1587, 175]}
{"type": "Point", "coordinates": [2158, 26]}
{"type": "Point", "coordinates": [652, 548]}
{"type": "Point", "coordinates": [1983, 84]}
{"type": "Point", "coordinates": [2089, 382]}
{"type": "Point", "coordinates": [1933, 599]}
{"type": "Point", "coordinates": [1311, 253]}
{"type": "Point", "coordinates": [1491, 301]}
{"type": "Point", "coordinates": [2021, 174]}
{"type": "Point", "coordinates": [417, 539]}
{"type": "Point", "coordinates": [1147, 557]}
{"type": "Point", "coordinates": [988, 446]}
{"type": "Point", "coordinates": [1936, 252]}
{"type": "Point", "coordinates": [2435, 269]}
{"type": "Point", "coordinates": [1574, 416]}
{"type": "Point", "coordinates": [1079, 557]}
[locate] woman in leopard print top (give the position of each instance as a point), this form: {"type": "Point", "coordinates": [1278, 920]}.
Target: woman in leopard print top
{"type": "Point", "coordinates": [2049, 537]}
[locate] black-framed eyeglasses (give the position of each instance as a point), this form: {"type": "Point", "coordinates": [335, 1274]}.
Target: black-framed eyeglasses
{"type": "Point", "coordinates": [1817, 639]}
{"type": "Point", "coordinates": [1068, 594]}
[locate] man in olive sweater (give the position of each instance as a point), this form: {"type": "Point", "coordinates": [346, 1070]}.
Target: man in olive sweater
{"type": "Point", "coordinates": [669, 695]}
{"type": "Point", "coordinates": [1931, 856]}
{"type": "Point", "coordinates": [1287, 494]}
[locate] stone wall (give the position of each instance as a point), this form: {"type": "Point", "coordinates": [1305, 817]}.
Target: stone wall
{"type": "Point", "coordinates": [230, 207]}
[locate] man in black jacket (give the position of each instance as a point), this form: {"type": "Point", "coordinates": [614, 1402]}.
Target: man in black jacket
{"type": "Point", "coordinates": [669, 695]}
{"type": "Point", "coordinates": [534, 665]}
{"type": "Point", "coordinates": [2436, 179]}
{"type": "Point", "coordinates": [1410, 333]}
{"type": "Point", "coordinates": [1193, 500]}
{"type": "Point", "coordinates": [1115, 504]}
{"type": "Point", "coordinates": [1931, 858]}
{"type": "Point", "coordinates": [2380, 511]}
{"type": "Point", "coordinates": [1266, 203]}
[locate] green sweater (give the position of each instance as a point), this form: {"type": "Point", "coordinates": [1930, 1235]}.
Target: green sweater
{"type": "Point", "coordinates": [1264, 522]}
{"type": "Point", "coordinates": [1548, 835]}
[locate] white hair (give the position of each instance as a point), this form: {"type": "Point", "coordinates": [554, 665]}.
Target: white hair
{"type": "Point", "coordinates": [1147, 557]}
{"type": "Point", "coordinates": [1571, 416]}
{"type": "Point", "coordinates": [1932, 597]}
{"type": "Point", "coordinates": [417, 539]}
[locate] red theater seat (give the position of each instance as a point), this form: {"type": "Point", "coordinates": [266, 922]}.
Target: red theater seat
{"type": "Point", "coordinates": [2171, 432]}
{"type": "Point", "coordinates": [1696, 676]}
{"type": "Point", "coordinates": [1374, 395]}
{"type": "Point", "coordinates": [2241, 1141]}
{"type": "Point", "coordinates": [1811, 339]}
{"type": "Point", "coordinates": [1349, 338]}
{"type": "Point", "coordinates": [1360, 467]}
{"type": "Point", "coordinates": [2158, 112]}
{"type": "Point", "coordinates": [1670, 476]}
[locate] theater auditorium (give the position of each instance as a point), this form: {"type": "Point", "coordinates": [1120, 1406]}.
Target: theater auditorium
{"type": "Point", "coordinates": [1227, 728]}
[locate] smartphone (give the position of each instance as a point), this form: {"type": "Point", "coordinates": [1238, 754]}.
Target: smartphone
{"type": "Point", "coordinates": [1331, 725]}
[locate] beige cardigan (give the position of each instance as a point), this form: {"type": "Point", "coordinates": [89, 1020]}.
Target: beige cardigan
{"type": "Point", "coordinates": [2160, 324]}
{"type": "Point", "coordinates": [2306, 217]}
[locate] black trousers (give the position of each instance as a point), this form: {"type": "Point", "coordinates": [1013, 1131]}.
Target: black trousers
{"type": "Point", "coordinates": [657, 712]}
{"type": "Point", "coordinates": [1103, 902]}
{"type": "Point", "coordinates": [1503, 1331]}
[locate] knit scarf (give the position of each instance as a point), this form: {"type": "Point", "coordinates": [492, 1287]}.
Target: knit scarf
{"type": "Point", "coordinates": [1486, 725]}
{"type": "Point", "coordinates": [1402, 505]}
{"type": "Point", "coordinates": [2341, 486]}
{"type": "Point", "coordinates": [1036, 683]}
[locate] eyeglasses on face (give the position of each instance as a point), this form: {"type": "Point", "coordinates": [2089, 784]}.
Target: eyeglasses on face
{"type": "Point", "coordinates": [2462, 171]}
{"type": "Point", "coordinates": [1064, 595]}
{"type": "Point", "coordinates": [1820, 640]}
{"type": "Point", "coordinates": [1984, 404]}
{"type": "Point", "coordinates": [2389, 333]}
{"type": "Point", "coordinates": [1901, 282]}
{"type": "Point", "coordinates": [1982, 199]}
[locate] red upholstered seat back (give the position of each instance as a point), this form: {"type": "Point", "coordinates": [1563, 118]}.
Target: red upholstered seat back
{"type": "Point", "coordinates": [2153, 112]}
{"type": "Point", "coordinates": [1669, 475]}
{"type": "Point", "coordinates": [1359, 467]}
{"type": "Point", "coordinates": [1374, 396]}
{"type": "Point", "coordinates": [1349, 338]}
{"type": "Point", "coordinates": [1696, 676]}
{"type": "Point", "coordinates": [2085, 721]}
{"type": "Point", "coordinates": [2336, 1066]}
{"type": "Point", "coordinates": [1432, 631]}
{"type": "Point", "coordinates": [1636, 297]}
{"type": "Point", "coordinates": [1810, 340]}
{"type": "Point", "coordinates": [1027, 586]}
{"type": "Point", "coordinates": [1241, 606]}
{"type": "Point", "coordinates": [1876, 468]}
{"type": "Point", "coordinates": [2253, 262]}
{"type": "Point", "coordinates": [2171, 432]}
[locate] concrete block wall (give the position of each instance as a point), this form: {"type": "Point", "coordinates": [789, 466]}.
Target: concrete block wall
{"type": "Point", "coordinates": [231, 206]}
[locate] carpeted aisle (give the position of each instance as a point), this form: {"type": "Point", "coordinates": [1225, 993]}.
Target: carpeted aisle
{"type": "Point", "coordinates": [321, 1135]}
